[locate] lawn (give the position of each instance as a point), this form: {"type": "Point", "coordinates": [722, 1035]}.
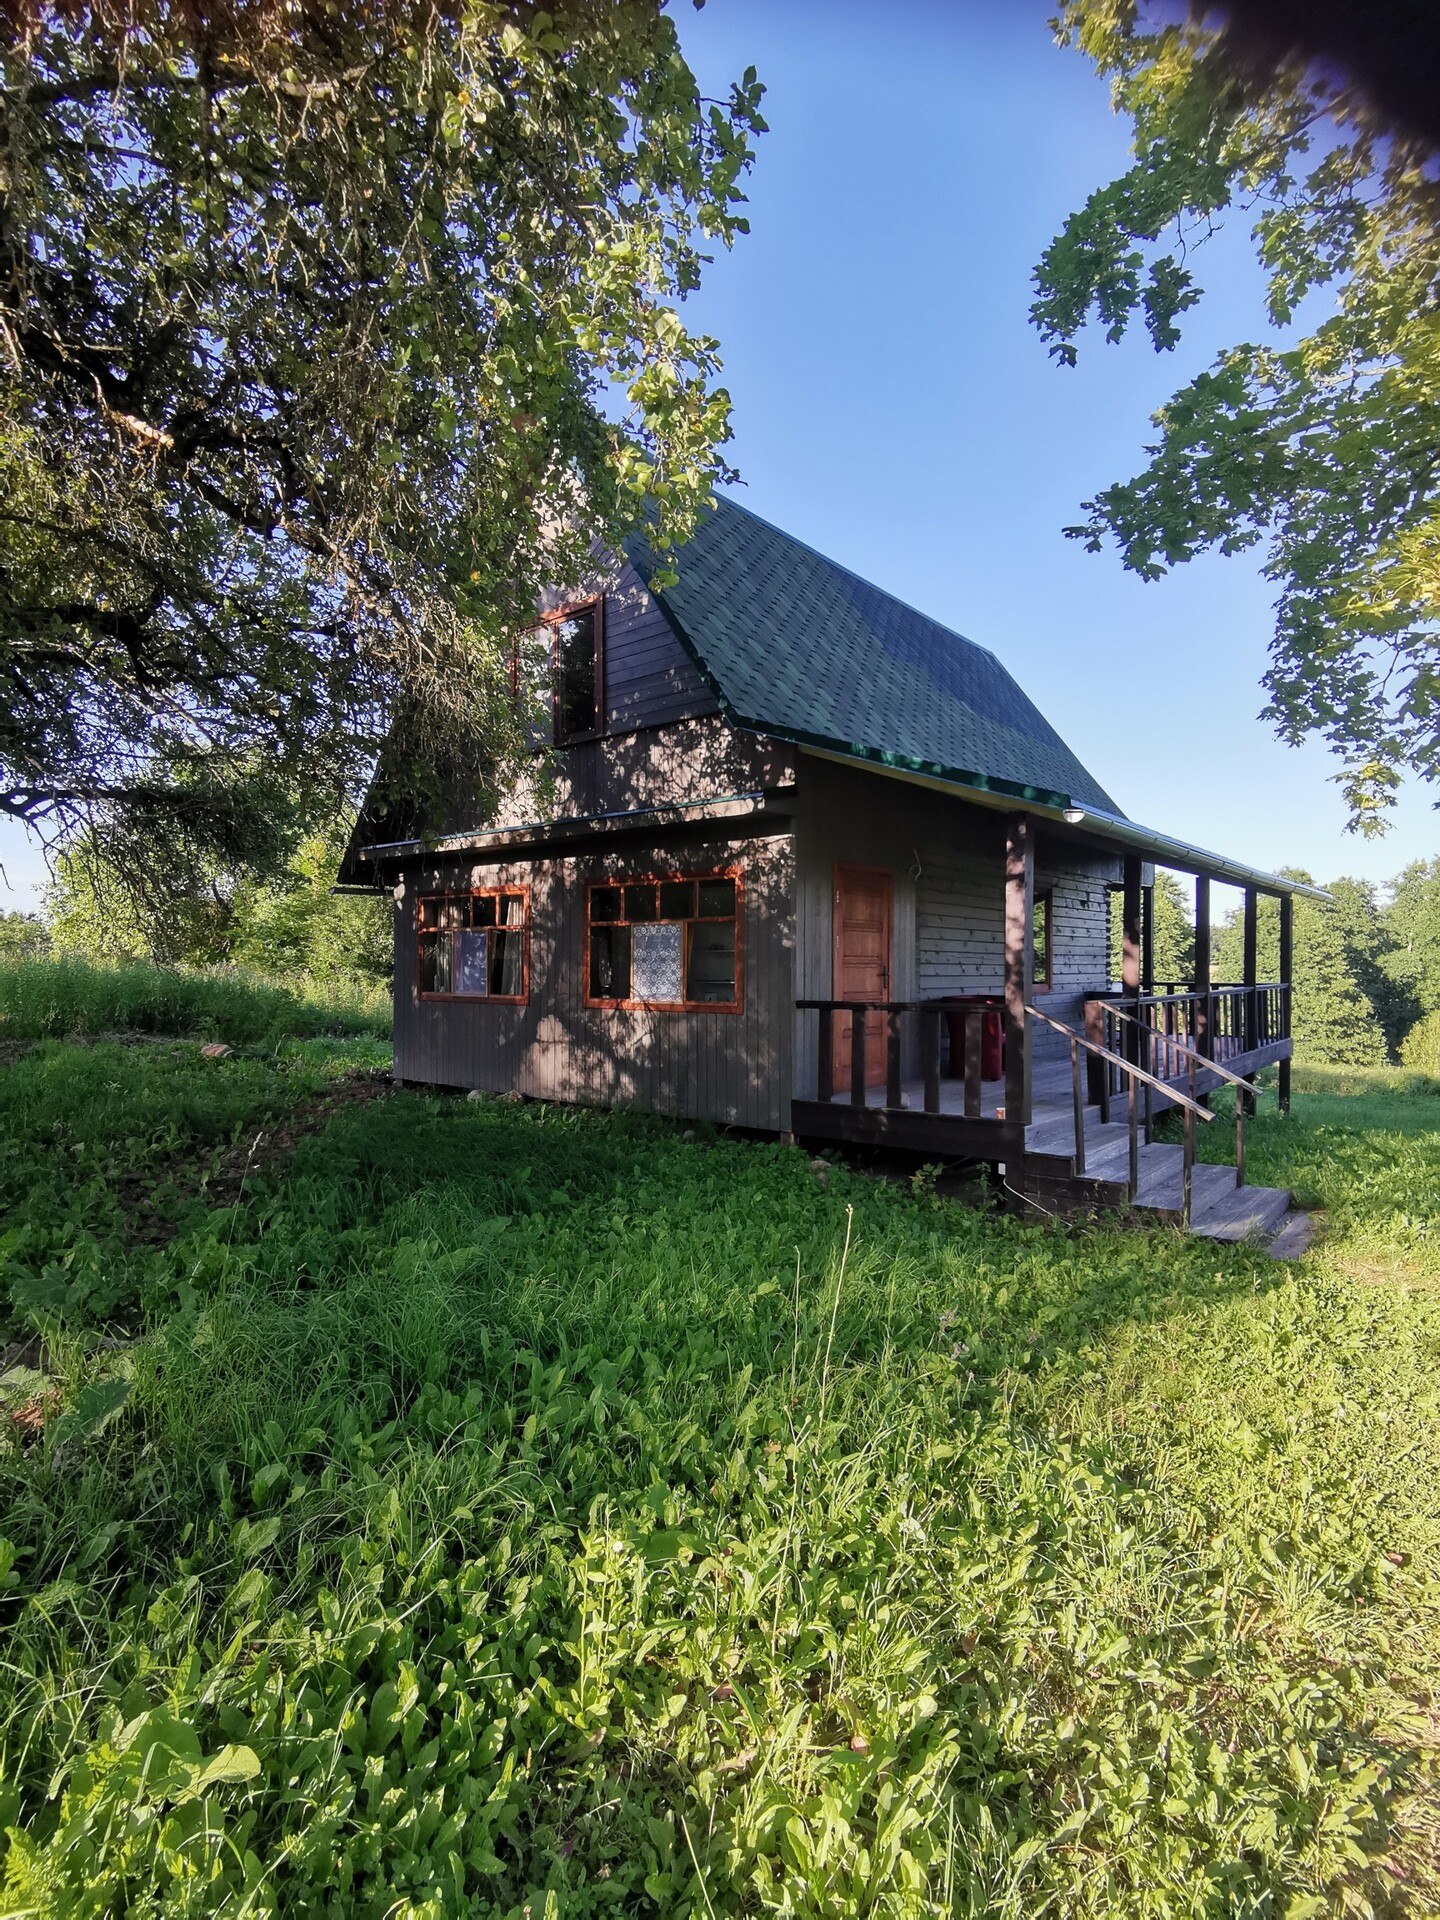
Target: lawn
{"type": "Point", "coordinates": [429, 1507]}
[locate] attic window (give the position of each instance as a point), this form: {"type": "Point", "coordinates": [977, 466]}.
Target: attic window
{"type": "Point", "coordinates": [474, 945]}
{"type": "Point", "coordinates": [668, 942]}
{"type": "Point", "coordinates": [578, 670]}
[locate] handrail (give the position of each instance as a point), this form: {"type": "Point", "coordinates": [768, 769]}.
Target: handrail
{"type": "Point", "coordinates": [1172, 1045]}
{"type": "Point", "coordinates": [1126, 1066]}
{"type": "Point", "coordinates": [1133, 1073]}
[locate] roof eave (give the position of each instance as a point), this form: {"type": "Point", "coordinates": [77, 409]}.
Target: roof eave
{"type": "Point", "coordinates": [1095, 822]}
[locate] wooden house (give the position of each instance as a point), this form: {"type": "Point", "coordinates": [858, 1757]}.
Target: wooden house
{"type": "Point", "coordinates": [807, 858]}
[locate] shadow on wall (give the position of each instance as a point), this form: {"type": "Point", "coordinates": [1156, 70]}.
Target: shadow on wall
{"type": "Point", "coordinates": [733, 1068]}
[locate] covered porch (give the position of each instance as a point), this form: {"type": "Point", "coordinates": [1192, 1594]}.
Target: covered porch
{"type": "Point", "coordinates": [908, 1073]}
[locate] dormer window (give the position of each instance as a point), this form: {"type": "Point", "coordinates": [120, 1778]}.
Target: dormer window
{"type": "Point", "coordinates": [578, 671]}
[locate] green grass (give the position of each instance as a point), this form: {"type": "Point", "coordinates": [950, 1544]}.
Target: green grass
{"type": "Point", "coordinates": [54, 999]}
{"type": "Point", "coordinates": [524, 1511]}
{"type": "Point", "coordinates": [1367, 1159]}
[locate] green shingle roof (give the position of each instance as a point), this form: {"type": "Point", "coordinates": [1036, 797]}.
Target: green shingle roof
{"type": "Point", "coordinates": [797, 646]}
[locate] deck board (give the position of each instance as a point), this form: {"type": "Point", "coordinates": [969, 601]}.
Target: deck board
{"type": "Point", "coordinates": [1219, 1209]}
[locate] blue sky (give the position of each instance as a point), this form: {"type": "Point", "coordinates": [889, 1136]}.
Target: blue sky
{"type": "Point", "coordinates": [894, 408]}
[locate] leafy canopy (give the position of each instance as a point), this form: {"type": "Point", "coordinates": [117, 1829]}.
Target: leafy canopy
{"type": "Point", "coordinates": [1319, 445]}
{"type": "Point", "coordinates": [326, 336]}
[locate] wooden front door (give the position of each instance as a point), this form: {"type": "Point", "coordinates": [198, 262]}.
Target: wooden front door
{"type": "Point", "coordinates": [861, 964]}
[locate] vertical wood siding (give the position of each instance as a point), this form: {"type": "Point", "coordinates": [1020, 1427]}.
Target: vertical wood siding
{"type": "Point", "coordinates": [729, 1068]}
{"type": "Point", "coordinates": [650, 679]}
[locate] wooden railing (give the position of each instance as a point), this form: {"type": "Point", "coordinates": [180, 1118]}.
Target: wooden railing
{"type": "Point", "coordinates": [924, 1017]}
{"type": "Point", "coordinates": [1217, 1023]}
{"type": "Point", "coordinates": [1168, 1048]}
{"type": "Point", "coordinates": [1133, 1077]}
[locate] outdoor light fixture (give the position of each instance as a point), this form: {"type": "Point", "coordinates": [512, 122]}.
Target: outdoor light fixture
{"type": "Point", "coordinates": [1072, 816]}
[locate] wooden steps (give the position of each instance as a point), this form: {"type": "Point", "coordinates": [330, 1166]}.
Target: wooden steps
{"type": "Point", "coordinates": [1219, 1209]}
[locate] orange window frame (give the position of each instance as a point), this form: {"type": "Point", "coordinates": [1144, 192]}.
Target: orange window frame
{"type": "Point", "coordinates": [631, 1004]}
{"type": "Point", "coordinates": [595, 601]}
{"type": "Point", "coordinates": [522, 893]}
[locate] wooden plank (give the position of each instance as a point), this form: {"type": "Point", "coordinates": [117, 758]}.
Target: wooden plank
{"type": "Point", "coordinates": [1203, 1039]}
{"type": "Point", "coordinates": [858, 1063]}
{"type": "Point", "coordinates": [1147, 939]}
{"type": "Point", "coordinates": [930, 1056]}
{"type": "Point", "coordinates": [892, 1059]}
{"type": "Point", "coordinates": [1287, 974]}
{"type": "Point", "coordinates": [974, 1036]}
{"type": "Point", "coordinates": [945, 1134]}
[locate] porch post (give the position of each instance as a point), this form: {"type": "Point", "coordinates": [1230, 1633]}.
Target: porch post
{"type": "Point", "coordinates": [1019, 963]}
{"type": "Point", "coordinates": [1287, 968]}
{"type": "Point", "coordinates": [1251, 963]}
{"type": "Point", "coordinates": [1252, 966]}
{"type": "Point", "coordinates": [1147, 938]}
{"type": "Point", "coordinates": [1202, 963]}
{"type": "Point", "coordinates": [1130, 950]}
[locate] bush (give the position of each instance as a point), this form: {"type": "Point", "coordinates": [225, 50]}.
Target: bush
{"type": "Point", "coordinates": [48, 999]}
{"type": "Point", "coordinates": [1421, 1046]}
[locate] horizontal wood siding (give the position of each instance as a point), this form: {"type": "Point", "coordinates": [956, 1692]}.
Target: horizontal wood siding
{"type": "Point", "coordinates": [729, 1068]}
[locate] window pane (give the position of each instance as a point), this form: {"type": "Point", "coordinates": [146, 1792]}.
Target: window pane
{"type": "Point", "coordinates": [430, 912]}
{"type": "Point", "coordinates": [470, 964]}
{"type": "Point", "coordinates": [435, 963]}
{"type": "Point", "coordinates": [507, 963]}
{"type": "Point", "coordinates": [655, 962]}
{"type": "Point", "coordinates": [482, 910]}
{"type": "Point", "coordinates": [453, 911]}
{"type": "Point", "coordinates": [640, 903]}
{"type": "Point", "coordinates": [717, 898]}
{"type": "Point", "coordinates": [711, 962]}
{"type": "Point", "coordinates": [605, 903]}
{"type": "Point", "coordinates": [677, 900]}
{"type": "Point", "coordinates": [575, 690]}
{"type": "Point", "coordinates": [511, 909]}
{"type": "Point", "coordinates": [1040, 940]}
{"type": "Point", "coordinates": [609, 963]}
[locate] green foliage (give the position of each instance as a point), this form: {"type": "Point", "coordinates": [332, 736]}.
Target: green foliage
{"type": "Point", "coordinates": [287, 923]}
{"type": "Point", "coordinates": [1421, 1046]}
{"type": "Point", "coordinates": [1412, 926]}
{"type": "Point", "coordinates": [1331, 1018]}
{"type": "Point", "coordinates": [332, 338]}
{"type": "Point", "coordinates": [23, 936]}
{"type": "Point", "coordinates": [1174, 932]}
{"type": "Point", "coordinates": [520, 1507]}
{"type": "Point", "coordinates": [54, 998]}
{"type": "Point", "coordinates": [1367, 934]}
{"type": "Point", "coordinates": [1317, 446]}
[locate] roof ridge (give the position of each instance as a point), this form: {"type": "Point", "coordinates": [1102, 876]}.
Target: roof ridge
{"type": "Point", "coordinates": [851, 574]}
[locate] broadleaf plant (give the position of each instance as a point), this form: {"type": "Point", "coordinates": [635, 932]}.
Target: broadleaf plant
{"type": "Point", "coordinates": [328, 334]}
{"type": "Point", "coordinates": [1318, 443]}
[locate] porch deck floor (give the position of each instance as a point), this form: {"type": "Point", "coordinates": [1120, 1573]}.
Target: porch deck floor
{"type": "Point", "coordinates": [1052, 1126]}
{"type": "Point", "coordinates": [1220, 1210]}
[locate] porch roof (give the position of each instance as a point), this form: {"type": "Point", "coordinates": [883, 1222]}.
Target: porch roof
{"type": "Point", "coordinates": [1096, 826]}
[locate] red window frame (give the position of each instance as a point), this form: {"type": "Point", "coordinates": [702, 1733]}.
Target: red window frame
{"type": "Point", "coordinates": [521, 892]}
{"type": "Point", "coordinates": [595, 601]}
{"type": "Point", "coordinates": [678, 874]}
